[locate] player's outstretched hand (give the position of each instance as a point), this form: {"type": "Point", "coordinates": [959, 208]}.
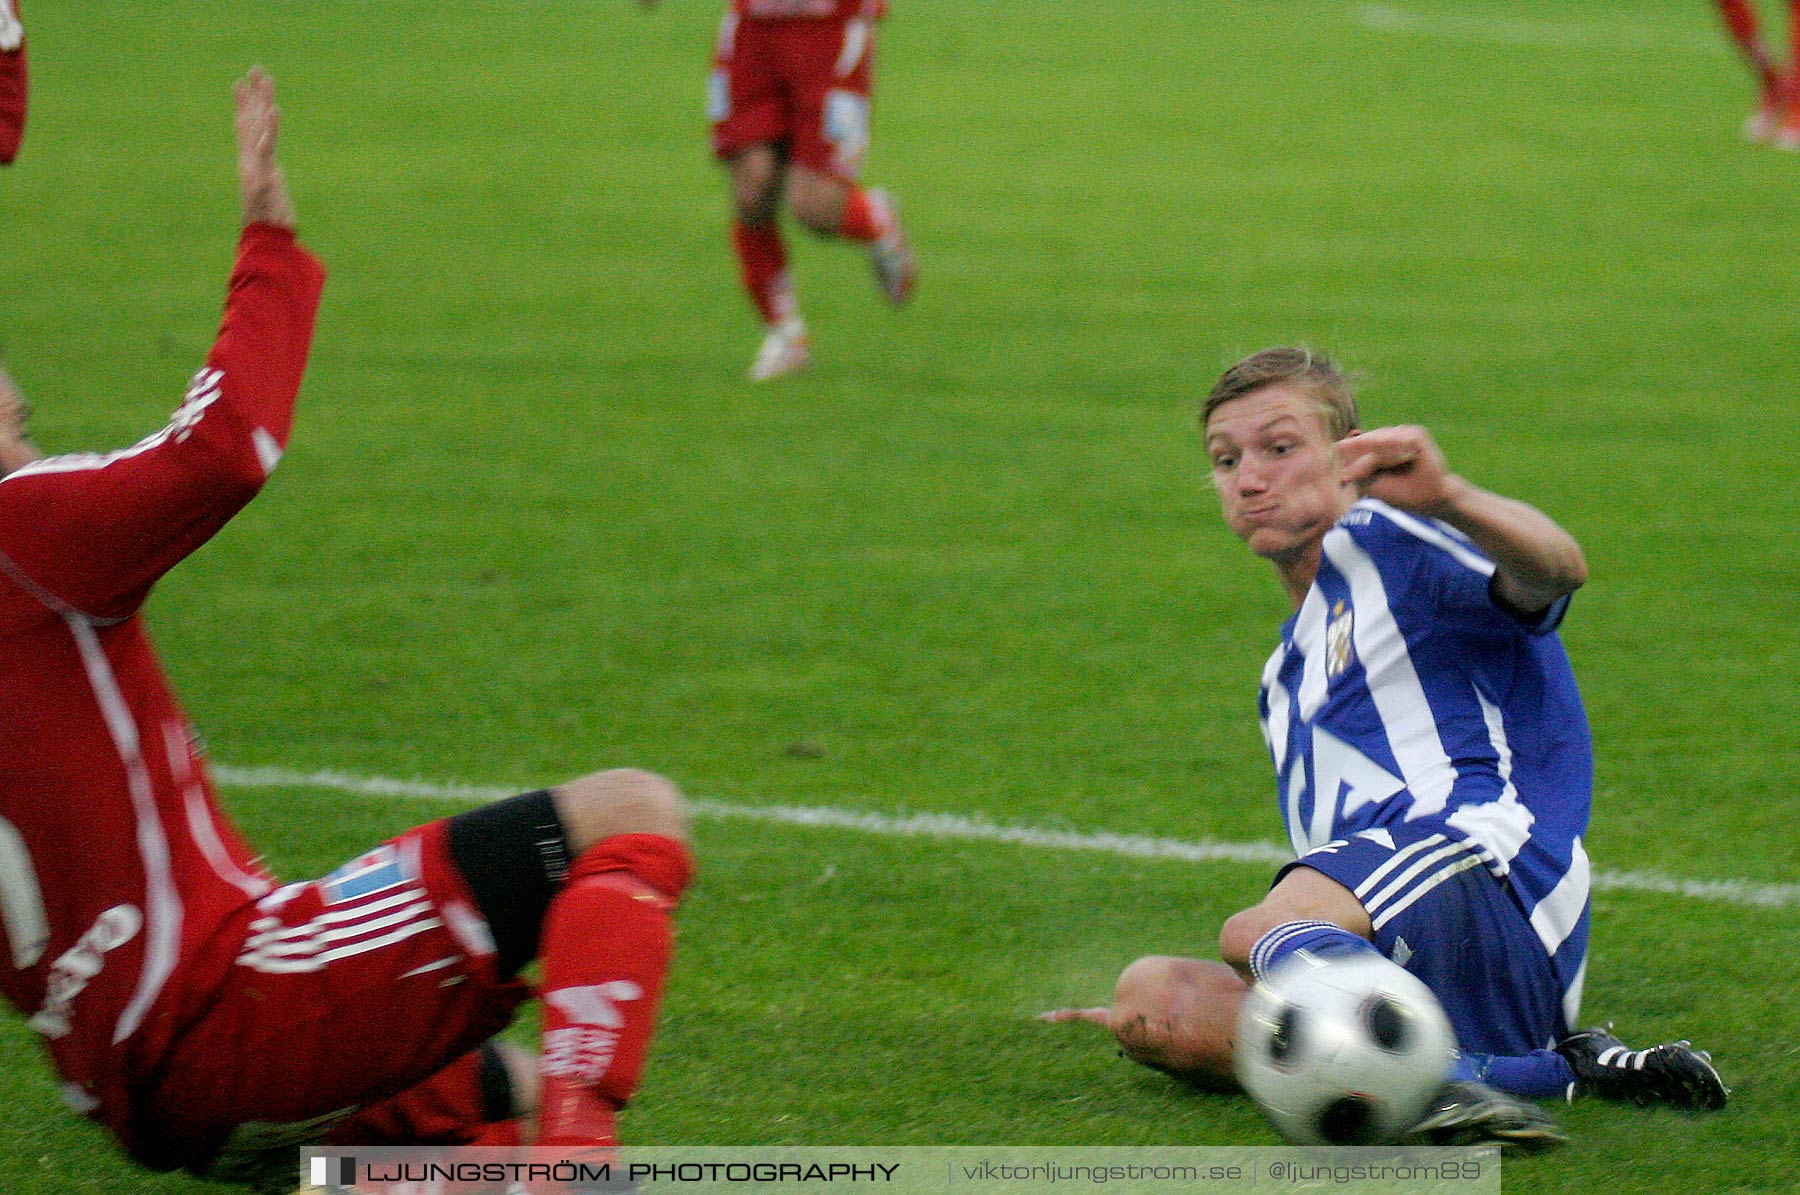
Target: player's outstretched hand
{"type": "Point", "coordinates": [265, 192]}
{"type": "Point", "coordinates": [1095, 1016]}
{"type": "Point", "coordinates": [1401, 466]}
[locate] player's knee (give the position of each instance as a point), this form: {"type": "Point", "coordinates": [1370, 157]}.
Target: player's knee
{"type": "Point", "coordinates": [755, 185]}
{"type": "Point", "coordinates": [1303, 894]}
{"type": "Point", "coordinates": [753, 207]}
{"type": "Point", "coordinates": [620, 801]}
{"type": "Point", "coordinates": [819, 213]}
{"type": "Point", "coordinates": [1240, 933]}
{"type": "Point", "coordinates": [817, 200]}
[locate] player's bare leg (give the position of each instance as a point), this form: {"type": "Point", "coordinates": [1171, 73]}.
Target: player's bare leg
{"type": "Point", "coordinates": [833, 206]}
{"type": "Point", "coordinates": [1302, 895]}
{"type": "Point", "coordinates": [606, 948]}
{"type": "Point", "coordinates": [757, 174]}
{"type": "Point", "coordinates": [618, 802]}
{"type": "Point", "coordinates": [1180, 1014]}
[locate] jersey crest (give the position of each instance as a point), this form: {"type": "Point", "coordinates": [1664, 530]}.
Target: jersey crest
{"type": "Point", "coordinates": [378, 870]}
{"type": "Point", "coordinates": [1340, 647]}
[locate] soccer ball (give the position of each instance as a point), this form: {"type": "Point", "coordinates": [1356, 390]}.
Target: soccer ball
{"type": "Point", "coordinates": [1345, 1051]}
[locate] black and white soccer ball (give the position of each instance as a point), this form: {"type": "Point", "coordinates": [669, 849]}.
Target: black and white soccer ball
{"type": "Point", "coordinates": [1345, 1051]}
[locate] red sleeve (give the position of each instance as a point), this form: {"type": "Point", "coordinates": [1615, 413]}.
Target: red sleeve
{"type": "Point", "coordinates": [95, 532]}
{"type": "Point", "coordinates": [12, 82]}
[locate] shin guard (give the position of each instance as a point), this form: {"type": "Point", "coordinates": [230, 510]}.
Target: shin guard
{"type": "Point", "coordinates": [608, 940]}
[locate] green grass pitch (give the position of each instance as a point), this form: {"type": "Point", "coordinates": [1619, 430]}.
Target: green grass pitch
{"type": "Point", "coordinates": [533, 522]}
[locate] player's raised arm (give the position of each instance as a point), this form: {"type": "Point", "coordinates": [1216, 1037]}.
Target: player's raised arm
{"type": "Point", "coordinates": [95, 531]}
{"type": "Point", "coordinates": [1535, 560]}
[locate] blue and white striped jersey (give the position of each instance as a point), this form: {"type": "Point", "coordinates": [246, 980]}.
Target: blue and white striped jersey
{"type": "Point", "coordinates": [1401, 693]}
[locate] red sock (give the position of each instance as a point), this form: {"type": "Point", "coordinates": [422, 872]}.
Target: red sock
{"type": "Point", "coordinates": [1789, 86]}
{"type": "Point", "coordinates": [606, 948]}
{"type": "Point", "coordinates": [763, 267]}
{"type": "Point", "coordinates": [1740, 19]}
{"type": "Point", "coordinates": [864, 219]}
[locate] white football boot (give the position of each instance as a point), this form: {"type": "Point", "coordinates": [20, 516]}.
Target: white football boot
{"type": "Point", "coordinates": [785, 350]}
{"type": "Point", "coordinates": [891, 256]}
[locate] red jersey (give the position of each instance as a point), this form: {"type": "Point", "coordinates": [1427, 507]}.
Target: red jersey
{"type": "Point", "coordinates": [12, 80]}
{"type": "Point", "coordinates": [117, 867]}
{"type": "Point", "coordinates": [805, 10]}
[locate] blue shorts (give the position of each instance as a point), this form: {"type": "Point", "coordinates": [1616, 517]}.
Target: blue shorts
{"type": "Point", "coordinates": [1441, 913]}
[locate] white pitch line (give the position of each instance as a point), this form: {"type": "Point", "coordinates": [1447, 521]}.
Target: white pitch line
{"type": "Point", "coordinates": [950, 825]}
{"type": "Point", "coordinates": [1515, 31]}
{"type": "Point", "coordinates": [954, 827]}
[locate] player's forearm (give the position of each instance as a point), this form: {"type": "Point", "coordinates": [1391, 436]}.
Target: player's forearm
{"type": "Point", "coordinates": [1535, 560]}
{"type": "Point", "coordinates": [256, 363]}
{"type": "Point", "coordinates": [266, 200]}
{"type": "Point", "coordinates": [263, 343]}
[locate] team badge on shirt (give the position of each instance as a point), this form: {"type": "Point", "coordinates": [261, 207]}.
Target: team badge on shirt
{"type": "Point", "coordinates": [1339, 651]}
{"type": "Point", "coordinates": [377, 871]}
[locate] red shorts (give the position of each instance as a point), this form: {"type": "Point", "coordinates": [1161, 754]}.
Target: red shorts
{"type": "Point", "coordinates": [345, 991]}
{"type": "Point", "coordinates": [803, 85]}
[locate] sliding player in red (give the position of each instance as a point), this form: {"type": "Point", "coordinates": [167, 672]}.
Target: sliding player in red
{"type": "Point", "coordinates": [13, 90]}
{"type": "Point", "coordinates": [789, 103]}
{"type": "Point", "coordinates": [1776, 118]}
{"type": "Point", "coordinates": [209, 1017]}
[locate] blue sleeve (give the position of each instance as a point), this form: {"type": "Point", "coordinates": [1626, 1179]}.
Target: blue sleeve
{"type": "Point", "coordinates": [1443, 571]}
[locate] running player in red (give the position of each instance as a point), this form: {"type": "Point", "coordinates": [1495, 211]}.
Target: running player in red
{"type": "Point", "coordinates": [209, 1017]}
{"type": "Point", "coordinates": [1776, 118]}
{"type": "Point", "coordinates": [13, 89]}
{"type": "Point", "coordinates": [789, 103]}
